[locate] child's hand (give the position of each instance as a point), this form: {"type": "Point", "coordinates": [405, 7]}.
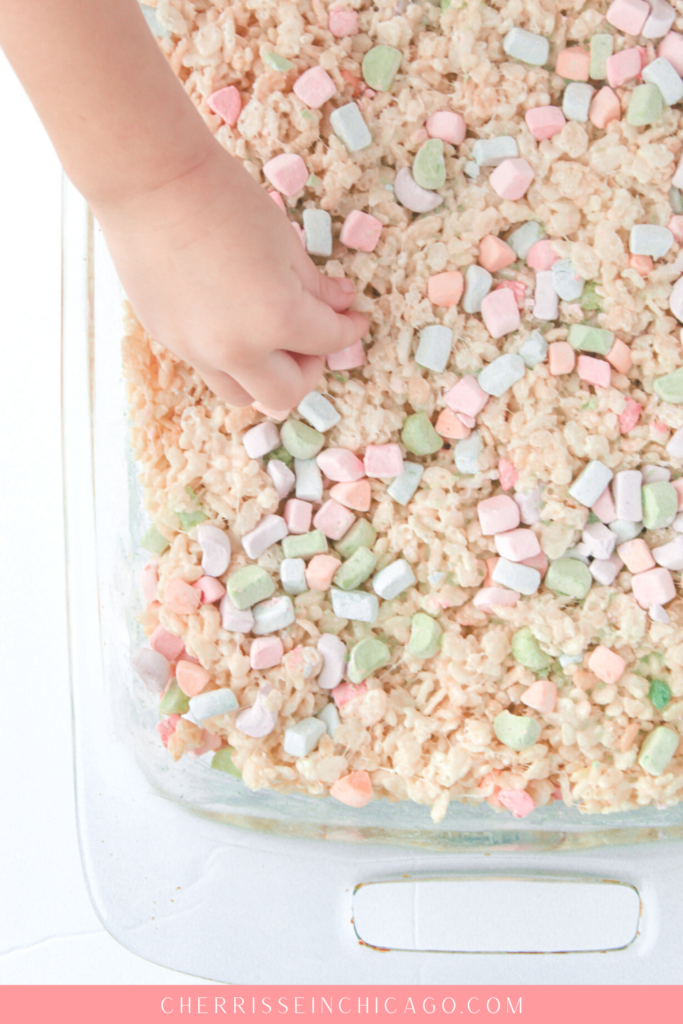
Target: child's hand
{"type": "Point", "coordinates": [218, 275]}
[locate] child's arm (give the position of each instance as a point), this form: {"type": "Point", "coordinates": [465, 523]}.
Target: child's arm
{"type": "Point", "coordinates": [213, 268]}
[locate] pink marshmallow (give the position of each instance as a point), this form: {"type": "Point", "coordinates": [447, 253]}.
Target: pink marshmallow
{"type": "Point", "coordinates": [678, 487]}
{"type": "Point", "coordinates": [279, 201]}
{"type": "Point", "coordinates": [604, 107]}
{"type": "Point", "coordinates": [544, 122]}
{"type": "Point", "coordinates": [629, 16]}
{"type": "Point", "coordinates": [448, 424]}
{"type": "Point", "coordinates": [517, 288]}
{"type": "Point", "coordinates": [642, 265]}
{"type": "Point", "coordinates": [298, 515]}
{"type": "Point", "coordinates": [345, 692]}
{"type": "Point", "coordinates": [653, 587]}
{"type": "Point", "coordinates": [210, 741]}
{"type": "Point", "coordinates": [494, 254]}
{"type": "Point", "coordinates": [149, 578]}
{"type": "Point", "coordinates": [287, 173]}
{"type": "Point", "coordinates": [227, 103]}
{"type": "Point", "coordinates": [466, 396]}
{"type": "Point", "coordinates": [507, 474]}
{"type": "Point", "coordinates": [516, 545]}
{"type": "Point", "coordinates": [282, 477]}
{"type": "Point", "coordinates": [517, 801]}
{"type": "Point", "coordinates": [348, 358]}
{"type": "Point", "coordinates": [314, 87]}
{"type": "Point", "coordinates": [340, 465]}
{"type": "Point", "coordinates": [267, 532]}
{"type": "Point", "coordinates": [675, 226]}
{"type": "Point", "coordinates": [361, 231]}
{"type": "Point", "coordinates": [266, 652]}
{"type": "Point", "coordinates": [356, 495]}
{"type": "Point", "coordinates": [539, 561]}
{"type": "Point", "coordinates": [607, 665]}
{"type": "Point", "coordinates": [488, 598]}
{"type": "Point", "coordinates": [541, 696]}
{"type": "Point", "coordinates": [498, 515]}
{"type": "Point", "coordinates": [628, 419]}
{"type": "Point", "coordinates": [623, 66]}
{"type": "Point", "coordinates": [447, 126]}
{"type": "Point", "coordinates": [210, 588]}
{"type": "Point", "coordinates": [383, 460]}
{"type": "Point", "coordinates": [594, 371]}
{"type": "Point", "coordinates": [467, 421]}
{"type": "Point", "coordinates": [320, 571]}
{"type": "Point", "coordinates": [333, 519]}
{"type": "Point", "coordinates": [500, 313]}
{"type": "Point", "coordinates": [561, 358]}
{"type": "Point", "coordinates": [636, 555]}
{"type": "Point", "coordinates": [342, 22]}
{"type": "Point", "coordinates": [541, 255]}
{"type": "Point", "coordinates": [604, 507]}
{"type": "Point", "coordinates": [671, 47]}
{"type": "Point", "coordinates": [512, 178]}
{"type": "Point", "coordinates": [445, 289]}
{"type": "Point", "coordinates": [574, 64]}
{"type": "Point", "coordinates": [261, 439]}
{"type": "Point", "coordinates": [167, 727]}
{"type": "Point", "coordinates": [619, 356]}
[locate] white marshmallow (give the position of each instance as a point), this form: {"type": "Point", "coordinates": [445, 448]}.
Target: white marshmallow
{"type": "Point", "coordinates": [661, 73]}
{"type": "Point", "coordinates": [500, 375]}
{"type": "Point", "coordinates": [658, 614]}
{"type": "Point", "coordinates": [215, 545]}
{"type": "Point", "coordinates": [153, 669]}
{"type": "Point", "coordinates": [677, 524]}
{"type": "Point", "coordinates": [675, 445]}
{"type": "Point", "coordinates": [309, 480]}
{"type": "Point", "coordinates": [329, 716]}
{"type": "Point", "coordinates": [599, 540]}
{"type": "Point", "coordinates": [528, 47]}
{"type": "Point", "coordinates": [269, 616]}
{"type": "Point", "coordinates": [413, 196]}
{"type": "Point", "coordinates": [650, 240]}
{"type": "Point", "coordinates": [653, 474]}
{"type": "Point", "coordinates": [590, 483]}
{"type": "Point", "coordinates": [234, 620]}
{"type": "Point", "coordinates": [472, 169]}
{"type": "Point", "coordinates": [534, 350]}
{"type": "Point", "coordinates": [302, 738]}
{"type": "Point", "coordinates": [216, 702]}
{"type": "Point", "coordinates": [566, 282]}
{"type": "Point", "coordinates": [467, 454]}
{"type": "Point", "coordinates": [625, 530]}
{"type": "Point", "coordinates": [477, 286]}
{"type": "Point", "coordinates": [318, 233]}
{"type": "Point", "coordinates": [627, 494]}
{"type": "Point", "coordinates": [515, 576]}
{"type": "Point", "coordinates": [605, 570]}
{"type": "Point", "coordinates": [546, 299]}
{"type": "Point", "coordinates": [293, 576]}
{"type": "Point", "coordinates": [530, 504]}
{"type": "Point", "coordinates": [660, 19]}
{"type": "Point", "coordinates": [318, 411]}
{"type": "Point", "coordinates": [356, 605]}
{"type": "Point", "coordinates": [393, 579]}
{"type": "Point", "coordinates": [403, 487]}
{"type": "Point", "coordinates": [434, 349]}
{"type": "Point", "coordinates": [670, 555]}
{"type": "Point", "coordinates": [282, 477]}
{"type": "Point", "coordinates": [257, 721]}
{"type": "Point", "coordinates": [261, 439]}
{"type": "Point", "coordinates": [491, 152]}
{"type": "Point", "coordinates": [333, 652]}
{"type": "Point", "coordinates": [348, 124]}
{"type": "Point", "coordinates": [576, 101]}
{"type": "Point", "coordinates": [269, 531]}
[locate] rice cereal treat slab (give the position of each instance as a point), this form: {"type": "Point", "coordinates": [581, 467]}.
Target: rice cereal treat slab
{"type": "Point", "coordinates": [453, 572]}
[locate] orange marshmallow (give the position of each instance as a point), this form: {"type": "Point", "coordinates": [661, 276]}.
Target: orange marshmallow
{"type": "Point", "coordinates": [561, 358]}
{"type": "Point", "coordinates": [494, 254]}
{"type": "Point", "coordinates": [607, 665]}
{"type": "Point", "coordinates": [642, 265]}
{"type": "Point", "coordinates": [191, 678]}
{"type": "Point", "coordinates": [619, 356]}
{"type": "Point", "coordinates": [445, 289]}
{"type": "Point", "coordinates": [491, 564]}
{"type": "Point", "coordinates": [354, 789]}
{"type": "Point", "coordinates": [320, 571]}
{"type": "Point", "coordinates": [449, 425]}
{"type": "Point", "coordinates": [636, 555]}
{"type": "Point", "coordinates": [605, 107]}
{"type": "Point", "coordinates": [574, 64]}
{"type": "Point", "coordinates": [356, 495]}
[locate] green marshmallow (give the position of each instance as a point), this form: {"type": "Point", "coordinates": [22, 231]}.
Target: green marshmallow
{"type": "Point", "coordinates": [355, 570]}
{"type": "Point", "coordinates": [366, 657]}
{"type": "Point", "coordinates": [659, 693]}
{"type": "Point", "coordinates": [380, 65]}
{"type": "Point", "coordinates": [670, 387]}
{"type": "Point", "coordinates": [276, 62]}
{"type": "Point", "coordinates": [425, 636]}
{"type": "Point", "coordinates": [300, 440]}
{"type": "Point", "coordinates": [174, 701]}
{"type": "Point", "coordinates": [282, 455]}
{"type": "Point", "coordinates": [154, 541]}
{"type": "Point", "coordinates": [222, 762]}
{"type": "Point", "coordinates": [516, 731]}
{"type": "Point", "coordinates": [419, 436]}
{"type": "Point", "coordinates": [361, 535]}
{"type": "Point", "coordinates": [590, 339]}
{"type": "Point", "coordinates": [250, 585]}
{"type": "Point", "coordinates": [660, 505]}
{"type": "Point", "coordinates": [525, 651]}
{"type": "Point", "coordinates": [305, 545]}
{"type": "Point", "coordinates": [646, 105]}
{"type": "Point", "coordinates": [569, 577]}
{"type": "Point", "coordinates": [602, 46]}
{"type": "Point", "coordinates": [429, 169]}
{"type": "Point", "coordinates": [590, 300]}
{"type": "Point", "coordinates": [657, 750]}
{"type": "Point", "coordinates": [190, 519]}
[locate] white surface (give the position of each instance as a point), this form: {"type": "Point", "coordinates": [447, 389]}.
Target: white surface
{"type": "Point", "coordinates": [49, 932]}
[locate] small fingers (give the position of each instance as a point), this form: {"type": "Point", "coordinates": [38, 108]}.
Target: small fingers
{"type": "Point", "coordinates": [322, 330]}
{"type": "Point", "coordinates": [336, 292]}
{"type": "Point", "coordinates": [226, 387]}
{"type": "Point", "coordinates": [282, 379]}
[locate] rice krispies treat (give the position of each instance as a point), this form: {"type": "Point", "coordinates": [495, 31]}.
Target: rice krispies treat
{"type": "Point", "coordinates": [423, 728]}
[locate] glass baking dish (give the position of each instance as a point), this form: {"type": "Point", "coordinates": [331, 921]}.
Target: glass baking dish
{"type": "Point", "coordinates": [105, 520]}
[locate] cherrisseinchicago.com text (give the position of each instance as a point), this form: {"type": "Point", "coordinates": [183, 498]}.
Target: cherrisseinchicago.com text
{"type": "Point", "coordinates": [319, 1005]}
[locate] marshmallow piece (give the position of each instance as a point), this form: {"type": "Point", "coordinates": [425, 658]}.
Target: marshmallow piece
{"type": "Point", "coordinates": [191, 678]}
{"type": "Point", "coordinates": [257, 721]}
{"type": "Point", "coordinates": [269, 531]}
{"type": "Point", "coordinates": [594, 371]}
{"type": "Point", "coordinates": [658, 614]}
{"type": "Point", "coordinates": [512, 178]}
{"type": "Point", "coordinates": [605, 107]}
{"type": "Point", "coordinates": [534, 350]}
{"type": "Point", "coordinates": [383, 460]}
{"type": "Point", "coordinates": [675, 197]}
{"type": "Point", "coordinates": [599, 540]}
{"type": "Point", "coordinates": [619, 356]}
{"type": "Point", "coordinates": [495, 254]}
{"type": "Point", "coordinates": [180, 597]}
{"type": "Point", "coordinates": [546, 301]}
{"type": "Point", "coordinates": [650, 240]}
{"type": "Point", "coordinates": [670, 387]}
{"type": "Point", "coordinates": [333, 519]}
{"type": "Point", "coordinates": [318, 411]}
{"type": "Point", "coordinates": [602, 46]}
{"type": "Point", "coordinates": [366, 657]}
{"type": "Point", "coordinates": [356, 605]}
{"type": "Point", "coordinates": [605, 570]}
{"type": "Point", "coordinates": [282, 477]}
{"type": "Point", "coordinates": [429, 169]}
{"type": "Point", "coordinates": [248, 585]}
{"type": "Point", "coordinates": [670, 555]}
{"type": "Point", "coordinates": [318, 232]}
{"type": "Point", "coordinates": [492, 152]}
{"type": "Point", "coordinates": [671, 47]}
{"type": "Point", "coordinates": [607, 665]}
{"type": "Point", "coordinates": [515, 576]}
{"type": "Point", "coordinates": [529, 47]}
{"type": "Point", "coordinates": [403, 487]}
{"type": "Point", "coordinates": [625, 530]}
{"type": "Point", "coordinates": [579, 551]}
{"type": "Point", "coordinates": [662, 74]}
{"type": "Point", "coordinates": [216, 702]}
{"type": "Point", "coordinates": [497, 515]}
{"type": "Point", "coordinates": [674, 446]}
{"type": "Point", "coordinates": [233, 619]}
{"type": "Point", "coordinates": [340, 465]}
{"type": "Point", "coordinates": [287, 173]}
{"type": "Point", "coordinates": [516, 731]}
{"type": "Point", "coordinates": [302, 738]}
{"type": "Point", "coordinates": [393, 579]}
{"type": "Point", "coordinates": [523, 238]}
{"type": "Point", "coordinates": [645, 106]}
{"type": "Point", "coordinates": [541, 696]}
{"type": "Point", "coordinates": [542, 255]}
{"type": "Point", "coordinates": [342, 22]}
{"type": "Point", "coordinates": [675, 226]}
{"type": "Point", "coordinates": [215, 545]}
{"type": "Point", "coordinates": [467, 453]}
{"type": "Point", "coordinates": [500, 313]}
{"type": "Point", "coordinates": [488, 598]}
{"type": "Point", "coordinates": [333, 652]}
{"type": "Point", "coordinates": [293, 576]}
{"type": "Point", "coordinates": [517, 801]}
{"type": "Point", "coordinates": [320, 572]}
{"type": "Point", "coordinates": [677, 524]}
{"type": "Point", "coordinates": [573, 64]}
{"type": "Point", "coordinates": [659, 21]}
{"type": "Point", "coordinates": [652, 474]}
{"type": "Point", "coordinates": [657, 750]}
{"type": "Point", "coordinates": [467, 396]}
{"type": "Point", "coordinates": [210, 589]}
{"type": "Point", "coordinates": [361, 535]}
{"type": "Point", "coordinates": [266, 652]}
{"type": "Point", "coordinates": [434, 349]}
{"type": "Point", "coordinates": [604, 507]}
{"type": "Point", "coordinates": [500, 375]}
{"type": "Point", "coordinates": [529, 504]}
{"type": "Point", "coordinates": [149, 580]}
{"type": "Point", "coordinates": [517, 545]}
{"type": "Point", "coordinates": [447, 126]}
{"type": "Point", "coordinates": [276, 61]}
{"type": "Point", "coordinates": [471, 169]}
{"type": "Point", "coordinates": [357, 495]}
{"type": "Point", "coordinates": [354, 789]}
{"type": "Point", "coordinates": [413, 196]}
{"type": "Point", "coordinates": [544, 122]}
{"type": "Point", "coordinates": [626, 488]}
{"type": "Point", "coordinates": [309, 481]}
{"type": "Point", "coordinates": [576, 101]}
{"type": "Point", "coordinates": [297, 515]}
{"type": "Point", "coordinates": [300, 440]}
{"type": "Point", "coordinates": [153, 668]}
{"type": "Point", "coordinates": [584, 338]}
{"type": "Point", "coordinates": [227, 103]}
{"type": "Point", "coordinates": [567, 283]}
{"type": "Point", "coordinates": [361, 231]}
{"type": "Point", "coordinates": [590, 483]}
{"type": "Point", "coordinates": [624, 66]}
{"type": "Point", "coordinates": [569, 577]}
{"type": "Point", "coordinates": [269, 616]}
{"type": "Point", "coordinates": [419, 436]}
{"type": "Point", "coordinates": [154, 541]}
{"type": "Point", "coordinates": [660, 505]}
{"type": "Point", "coordinates": [477, 286]}
{"type": "Point", "coordinates": [314, 87]}
{"type": "Point", "coordinates": [348, 125]}
{"type": "Point", "coordinates": [561, 358]}
{"type": "Point", "coordinates": [425, 636]}
{"type": "Point", "coordinates": [629, 16]}
{"type": "Point", "coordinates": [445, 289]}
{"type": "Point", "coordinates": [656, 586]}
{"type": "Point", "coordinates": [380, 65]}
